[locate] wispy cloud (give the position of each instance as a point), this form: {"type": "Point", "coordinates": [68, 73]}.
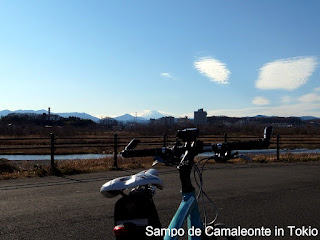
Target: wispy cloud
{"type": "Point", "coordinates": [260, 101]}
{"type": "Point", "coordinates": [214, 69]}
{"type": "Point", "coordinates": [166, 75]}
{"type": "Point", "coordinates": [286, 99]}
{"type": "Point", "coordinates": [309, 98]}
{"type": "Point", "coordinates": [287, 74]}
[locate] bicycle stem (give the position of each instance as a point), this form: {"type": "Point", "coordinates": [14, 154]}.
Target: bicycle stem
{"type": "Point", "coordinates": [186, 165]}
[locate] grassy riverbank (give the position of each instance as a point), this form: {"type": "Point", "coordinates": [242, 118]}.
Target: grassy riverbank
{"type": "Point", "coordinates": [27, 169]}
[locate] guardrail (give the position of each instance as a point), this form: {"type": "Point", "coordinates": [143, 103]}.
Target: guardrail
{"type": "Point", "coordinates": [114, 144]}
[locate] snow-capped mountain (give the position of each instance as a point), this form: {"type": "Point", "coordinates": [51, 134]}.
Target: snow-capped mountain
{"type": "Point", "coordinates": [148, 114]}
{"type": "Point", "coordinates": [142, 116]}
{"type": "Point", "coordinates": [151, 114]}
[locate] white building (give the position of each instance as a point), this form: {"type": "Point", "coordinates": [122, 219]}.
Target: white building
{"type": "Point", "coordinates": [200, 117]}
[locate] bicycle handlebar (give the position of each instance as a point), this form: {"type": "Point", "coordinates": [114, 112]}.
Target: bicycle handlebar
{"type": "Point", "coordinates": [199, 147]}
{"type": "Point", "coordinates": [241, 145]}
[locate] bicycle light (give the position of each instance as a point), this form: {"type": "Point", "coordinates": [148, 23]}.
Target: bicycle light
{"type": "Point", "coordinates": [188, 134]}
{"type": "Point", "coordinates": [268, 133]}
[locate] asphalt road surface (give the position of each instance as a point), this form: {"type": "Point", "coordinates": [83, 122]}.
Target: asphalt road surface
{"type": "Point", "coordinates": [248, 196]}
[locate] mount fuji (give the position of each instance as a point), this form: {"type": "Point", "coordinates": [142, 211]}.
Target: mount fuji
{"type": "Point", "coordinates": [142, 116]}
{"type": "Point", "coordinates": [151, 114]}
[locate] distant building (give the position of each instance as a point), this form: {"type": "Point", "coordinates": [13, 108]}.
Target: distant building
{"type": "Point", "coordinates": [200, 117]}
{"type": "Point", "coordinates": [152, 121]}
{"type": "Point", "coordinates": [164, 121]}
{"type": "Point", "coordinates": [183, 122]}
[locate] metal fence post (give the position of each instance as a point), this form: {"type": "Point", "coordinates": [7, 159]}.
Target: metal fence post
{"type": "Point", "coordinates": [164, 140]}
{"type": "Point", "coordinates": [278, 147]}
{"type": "Point", "coordinates": [53, 166]}
{"type": "Point", "coordinates": [115, 151]}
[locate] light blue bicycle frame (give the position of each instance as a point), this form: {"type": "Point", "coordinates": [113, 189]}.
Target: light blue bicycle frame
{"type": "Point", "coordinates": [188, 209]}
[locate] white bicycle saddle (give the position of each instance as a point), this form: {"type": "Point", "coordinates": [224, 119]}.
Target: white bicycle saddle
{"type": "Point", "coordinates": [149, 177]}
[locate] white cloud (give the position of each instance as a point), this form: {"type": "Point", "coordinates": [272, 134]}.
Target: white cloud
{"type": "Point", "coordinates": [309, 98]}
{"type": "Point", "coordinates": [167, 75]}
{"type": "Point", "coordinates": [213, 69]}
{"type": "Point", "coordinates": [260, 101]}
{"type": "Point", "coordinates": [317, 89]}
{"type": "Point", "coordinates": [287, 74]}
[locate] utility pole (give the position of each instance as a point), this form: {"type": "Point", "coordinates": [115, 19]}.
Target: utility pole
{"type": "Point", "coordinates": [49, 114]}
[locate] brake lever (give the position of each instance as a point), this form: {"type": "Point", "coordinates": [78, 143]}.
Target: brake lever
{"type": "Point", "coordinates": [167, 160]}
{"type": "Point", "coordinates": [132, 144]}
{"type": "Point", "coordinates": [237, 155]}
{"type": "Point", "coordinates": [157, 159]}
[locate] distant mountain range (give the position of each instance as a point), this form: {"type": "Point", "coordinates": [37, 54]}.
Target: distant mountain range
{"type": "Point", "coordinates": [65, 115]}
{"type": "Point", "coordinates": [305, 118]}
{"type": "Point", "coordinates": [129, 118]}
{"type": "Point", "coordinates": [124, 118]}
{"type": "Point", "coordinates": [143, 117]}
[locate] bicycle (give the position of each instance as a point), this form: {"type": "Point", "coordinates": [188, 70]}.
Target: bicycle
{"type": "Point", "coordinates": [132, 224]}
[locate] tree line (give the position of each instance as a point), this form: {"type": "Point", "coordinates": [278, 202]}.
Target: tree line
{"type": "Point", "coordinates": [17, 124]}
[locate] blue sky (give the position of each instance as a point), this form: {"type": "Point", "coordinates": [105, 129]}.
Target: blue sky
{"type": "Point", "coordinates": [235, 58]}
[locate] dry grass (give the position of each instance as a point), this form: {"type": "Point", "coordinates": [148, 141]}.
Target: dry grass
{"type": "Point", "coordinates": [99, 165]}
{"type": "Point", "coordinates": [289, 157]}
{"type": "Point", "coordinates": [22, 169]}
{"type": "Point", "coordinates": [27, 169]}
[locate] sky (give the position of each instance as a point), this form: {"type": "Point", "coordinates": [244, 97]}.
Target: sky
{"type": "Point", "coordinates": [108, 58]}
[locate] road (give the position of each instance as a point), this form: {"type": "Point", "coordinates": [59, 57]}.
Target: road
{"type": "Point", "coordinates": [250, 196]}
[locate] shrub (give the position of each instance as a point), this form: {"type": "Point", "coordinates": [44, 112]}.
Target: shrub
{"type": "Point", "coordinates": [6, 167]}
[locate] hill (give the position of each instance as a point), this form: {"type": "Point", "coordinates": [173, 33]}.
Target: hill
{"type": "Point", "coordinates": [65, 115]}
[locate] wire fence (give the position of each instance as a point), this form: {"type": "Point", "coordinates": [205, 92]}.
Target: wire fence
{"type": "Point", "coordinates": [54, 145]}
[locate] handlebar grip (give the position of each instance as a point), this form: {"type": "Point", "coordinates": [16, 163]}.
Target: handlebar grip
{"type": "Point", "coordinates": [252, 144]}
{"type": "Point", "coordinates": [248, 145]}
{"type": "Point", "coordinates": [144, 152]}
{"type": "Point", "coordinates": [237, 145]}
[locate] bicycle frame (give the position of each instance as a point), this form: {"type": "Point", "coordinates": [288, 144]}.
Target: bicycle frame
{"type": "Point", "coordinates": [189, 210]}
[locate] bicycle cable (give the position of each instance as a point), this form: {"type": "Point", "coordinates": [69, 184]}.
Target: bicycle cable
{"type": "Point", "coordinates": [202, 194]}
